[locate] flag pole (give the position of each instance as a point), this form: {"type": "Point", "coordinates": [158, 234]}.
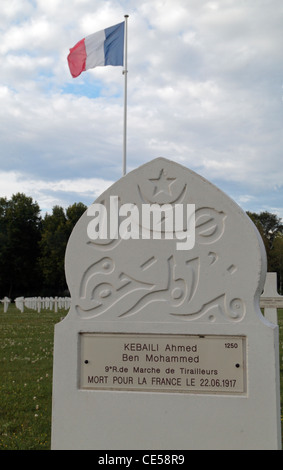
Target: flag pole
{"type": "Point", "coordinates": [125, 73]}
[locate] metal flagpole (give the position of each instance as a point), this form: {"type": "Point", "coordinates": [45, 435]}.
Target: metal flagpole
{"type": "Point", "coordinates": [125, 73]}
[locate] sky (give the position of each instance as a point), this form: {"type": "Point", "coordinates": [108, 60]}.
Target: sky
{"type": "Point", "coordinates": [205, 89]}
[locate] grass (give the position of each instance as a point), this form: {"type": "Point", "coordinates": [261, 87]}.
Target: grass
{"type": "Point", "coordinates": [26, 358]}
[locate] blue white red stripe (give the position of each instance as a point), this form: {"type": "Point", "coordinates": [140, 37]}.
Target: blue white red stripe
{"type": "Point", "coordinates": [102, 48]}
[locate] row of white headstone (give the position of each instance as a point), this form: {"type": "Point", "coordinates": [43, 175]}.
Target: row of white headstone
{"type": "Point", "coordinates": [38, 303]}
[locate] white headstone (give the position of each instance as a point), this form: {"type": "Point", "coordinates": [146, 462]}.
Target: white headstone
{"type": "Point", "coordinates": [165, 346]}
{"type": "Point", "coordinates": [19, 302]}
{"type": "Point", "coordinates": [6, 301]}
{"type": "Point", "coordinates": [270, 300]}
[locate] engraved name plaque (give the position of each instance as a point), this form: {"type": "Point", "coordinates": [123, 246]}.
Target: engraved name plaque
{"type": "Point", "coordinates": [163, 363]}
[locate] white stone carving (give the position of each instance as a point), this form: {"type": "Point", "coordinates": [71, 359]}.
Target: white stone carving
{"type": "Point", "coordinates": [147, 288]}
{"type": "Point", "coordinates": [151, 279]}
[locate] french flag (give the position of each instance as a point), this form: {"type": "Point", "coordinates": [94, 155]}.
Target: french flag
{"type": "Point", "coordinates": [105, 47]}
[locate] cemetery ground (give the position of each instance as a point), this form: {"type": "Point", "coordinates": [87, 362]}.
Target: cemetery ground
{"type": "Point", "coordinates": [26, 361]}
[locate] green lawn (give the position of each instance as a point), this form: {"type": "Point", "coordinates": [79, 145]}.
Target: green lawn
{"type": "Point", "coordinates": [26, 357]}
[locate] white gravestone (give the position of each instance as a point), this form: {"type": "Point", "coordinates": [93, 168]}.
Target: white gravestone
{"type": "Point", "coordinates": [165, 346]}
{"type": "Point", "coordinates": [19, 302]}
{"type": "Point", "coordinates": [270, 300]}
{"type": "Point", "coordinates": [6, 301]}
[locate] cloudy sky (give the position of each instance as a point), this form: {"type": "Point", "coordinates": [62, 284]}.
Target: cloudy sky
{"type": "Point", "coordinates": [205, 88]}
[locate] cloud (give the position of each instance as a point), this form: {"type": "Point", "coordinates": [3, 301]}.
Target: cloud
{"type": "Point", "coordinates": [50, 193]}
{"type": "Point", "coordinates": [204, 89]}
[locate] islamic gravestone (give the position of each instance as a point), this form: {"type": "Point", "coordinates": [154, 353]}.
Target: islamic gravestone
{"type": "Point", "coordinates": [165, 346]}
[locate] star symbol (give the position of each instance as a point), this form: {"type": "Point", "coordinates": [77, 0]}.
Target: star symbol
{"type": "Point", "coordinates": [162, 184]}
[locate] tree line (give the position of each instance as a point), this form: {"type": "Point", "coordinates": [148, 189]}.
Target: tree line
{"type": "Point", "coordinates": [32, 248]}
{"type": "Point", "coordinates": [270, 228]}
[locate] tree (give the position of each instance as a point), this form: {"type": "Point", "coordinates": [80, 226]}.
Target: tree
{"type": "Point", "coordinates": [271, 229]}
{"type": "Point", "coordinates": [56, 229]}
{"type": "Point", "coordinates": [20, 225]}
{"type": "Point", "coordinates": [52, 247]}
{"type": "Point", "coordinates": [276, 261]}
{"type": "Point", "coordinates": [73, 214]}
{"type": "Point", "coordinates": [268, 224]}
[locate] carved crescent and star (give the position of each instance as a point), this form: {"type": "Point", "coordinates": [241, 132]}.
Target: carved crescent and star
{"type": "Point", "coordinates": [162, 189]}
{"type": "Point", "coordinates": [162, 184]}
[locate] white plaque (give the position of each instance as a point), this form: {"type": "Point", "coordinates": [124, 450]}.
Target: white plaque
{"type": "Point", "coordinates": [163, 363]}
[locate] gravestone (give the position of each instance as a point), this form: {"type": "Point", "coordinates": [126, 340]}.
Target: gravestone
{"type": "Point", "coordinates": [164, 345]}
{"type": "Point", "coordinates": [19, 302]}
{"type": "Point", "coordinates": [270, 300]}
{"type": "Point", "coordinates": [6, 301]}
